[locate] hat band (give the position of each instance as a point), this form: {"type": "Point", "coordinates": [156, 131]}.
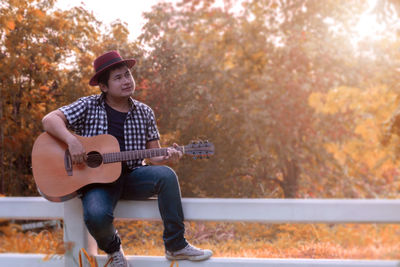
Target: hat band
{"type": "Point", "coordinates": [108, 63]}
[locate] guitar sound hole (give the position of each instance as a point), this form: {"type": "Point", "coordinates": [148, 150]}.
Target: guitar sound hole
{"type": "Point", "coordinates": [94, 159]}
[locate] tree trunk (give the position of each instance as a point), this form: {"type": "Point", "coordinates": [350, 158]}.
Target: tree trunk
{"type": "Point", "coordinates": [290, 183]}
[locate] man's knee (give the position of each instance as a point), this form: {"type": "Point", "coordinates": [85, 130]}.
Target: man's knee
{"type": "Point", "coordinates": [169, 176]}
{"type": "Point", "coordinates": [167, 179]}
{"type": "Point", "coordinates": [97, 218]}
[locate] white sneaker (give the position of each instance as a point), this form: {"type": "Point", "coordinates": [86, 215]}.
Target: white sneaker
{"type": "Point", "coordinates": [117, 259]}
{"type": "Point", "coordinates": [189, 253]}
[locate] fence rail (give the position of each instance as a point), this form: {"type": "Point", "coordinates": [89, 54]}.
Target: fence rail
{"type": "Point", "coordinates": [248, 210]}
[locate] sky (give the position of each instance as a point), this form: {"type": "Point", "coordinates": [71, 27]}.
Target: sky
{"type": "Point", "coordinates": [129, 11]}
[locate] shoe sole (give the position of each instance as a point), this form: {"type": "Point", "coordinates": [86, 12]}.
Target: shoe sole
{"type": "Point", "coordinates": [190, 258]}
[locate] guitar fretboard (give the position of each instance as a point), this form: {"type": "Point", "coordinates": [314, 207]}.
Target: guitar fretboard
{"type": "Point", "coordinates": [132, 155]}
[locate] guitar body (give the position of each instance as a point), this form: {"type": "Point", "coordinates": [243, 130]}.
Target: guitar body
{"type": "Point", "coordinates": [55, 176]}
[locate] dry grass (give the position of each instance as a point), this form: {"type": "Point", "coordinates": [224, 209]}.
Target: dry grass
{"type": "Point", "coordinates": [344, 241]}
{"type": "Point", "coordinates": [13, 239]}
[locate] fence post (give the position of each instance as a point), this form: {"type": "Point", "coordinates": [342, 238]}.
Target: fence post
{"type": "Point", "coordinates": [75, 231]}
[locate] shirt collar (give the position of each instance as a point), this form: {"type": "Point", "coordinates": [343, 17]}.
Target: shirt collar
{"type": "Point", "coordinates": [102, 101]}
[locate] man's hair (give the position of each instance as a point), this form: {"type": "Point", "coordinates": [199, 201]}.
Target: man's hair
{"type": "Point", "coordinates": [105, 76]}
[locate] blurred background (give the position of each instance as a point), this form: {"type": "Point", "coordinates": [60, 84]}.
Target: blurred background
{"type": "Point", "coordinates": [299, 97]}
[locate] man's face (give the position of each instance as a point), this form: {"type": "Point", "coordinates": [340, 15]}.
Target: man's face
{"type": "Point", "coordinates": [120, 83]}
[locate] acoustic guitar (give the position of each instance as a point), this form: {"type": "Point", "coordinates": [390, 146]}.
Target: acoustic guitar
{"type": "Point", "coordinates": [59, 180]}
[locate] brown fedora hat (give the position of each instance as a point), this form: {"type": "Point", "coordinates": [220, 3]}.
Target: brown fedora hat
{"type": "Point", "coordinates": [107, 60]}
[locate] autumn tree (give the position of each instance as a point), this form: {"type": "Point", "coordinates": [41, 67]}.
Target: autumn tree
{"type": "Point", "coordinates": [366, 106]}
{"type": "Point", "coordinates": [44, 57]}
{"type": "Point", "coordinates": [243, 80]}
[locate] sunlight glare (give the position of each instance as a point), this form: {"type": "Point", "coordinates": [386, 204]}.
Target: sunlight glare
{"type": "Point", "coordinates": [368, 26]}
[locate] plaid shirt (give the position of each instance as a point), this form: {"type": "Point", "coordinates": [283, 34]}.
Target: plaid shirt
{"type": "Point", "coordinates": [87, 117]}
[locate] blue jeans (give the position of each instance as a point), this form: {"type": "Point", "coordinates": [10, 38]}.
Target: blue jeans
{"type": "Point", "coordinates": [99, 201]}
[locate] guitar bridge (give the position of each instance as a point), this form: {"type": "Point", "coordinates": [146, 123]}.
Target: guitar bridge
{"type": "Point", "coordinates": [68, 162]}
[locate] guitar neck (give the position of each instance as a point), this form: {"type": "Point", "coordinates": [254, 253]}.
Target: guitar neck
{"type": "Point", "coordinates": [135, 154]}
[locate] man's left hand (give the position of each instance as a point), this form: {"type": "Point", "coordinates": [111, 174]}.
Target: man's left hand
{"type": "Point", "coordinates": [173, 154]}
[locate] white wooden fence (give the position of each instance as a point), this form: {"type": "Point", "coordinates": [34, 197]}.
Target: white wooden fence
{"type": "Point", "coordinates": [247, 210]}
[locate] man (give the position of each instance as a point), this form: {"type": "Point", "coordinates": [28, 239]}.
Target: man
{"type": "Point", "coordinates": [115, 112]}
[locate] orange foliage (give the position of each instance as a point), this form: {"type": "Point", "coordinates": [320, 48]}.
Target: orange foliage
{"type": "Point", "coordinates": [90, 259]}
{"type": "Point", "coordinates": [344, 241]}
{"type": "Point", "coordinates": [13, 239]}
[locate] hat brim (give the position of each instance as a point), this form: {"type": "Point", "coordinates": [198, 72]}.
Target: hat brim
{"type": "Point", "coordinates": [94, 80]}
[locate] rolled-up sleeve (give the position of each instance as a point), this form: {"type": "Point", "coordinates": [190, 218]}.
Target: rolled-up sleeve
{"type": "Point", "coordinates": [152, 131]}
{"type": "Point", "coordinates": [75, 114]}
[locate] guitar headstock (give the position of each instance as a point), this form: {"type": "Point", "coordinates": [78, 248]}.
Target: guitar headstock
{"type": "Point", "coordinates": [199, 149]}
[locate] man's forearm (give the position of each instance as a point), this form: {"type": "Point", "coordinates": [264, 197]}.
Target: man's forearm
{"type": "Point", "coordinates": [55, 125]}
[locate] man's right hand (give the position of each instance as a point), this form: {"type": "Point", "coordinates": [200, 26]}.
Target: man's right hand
{"type": "Point", "coordinates": [55, 124]}
{"type": "Point", "coordinates": [76, 150]}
